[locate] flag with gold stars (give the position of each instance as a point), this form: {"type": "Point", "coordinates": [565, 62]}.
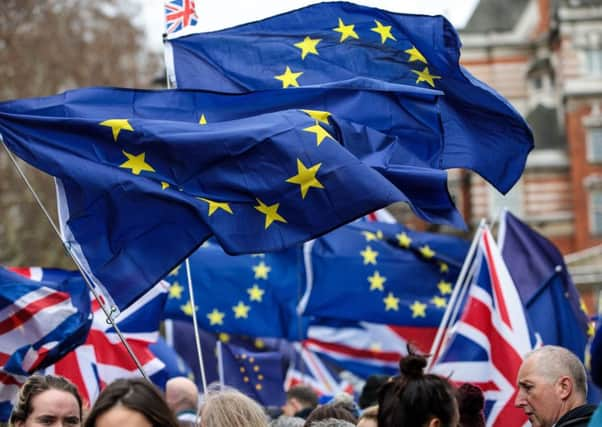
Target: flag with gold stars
{"type": "Point", "coordinates": [144, 177]}
{"type": "Point", "coordinates": [382, 273]}
{"type": "Point", "coordinates": [252, 295]}
{"type": "Point", "coordinates": [337, 41]}
{"type": "Point", "coordinates": [544, 284]}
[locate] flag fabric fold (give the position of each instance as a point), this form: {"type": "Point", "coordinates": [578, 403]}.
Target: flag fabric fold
{"type": "Point", "coordinates": [255, 180]}
{"type": "Point", "coordinates": [337, 41]}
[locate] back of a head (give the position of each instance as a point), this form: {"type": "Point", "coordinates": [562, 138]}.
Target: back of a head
{"type": "Point", "coordinates": [414, 398]}
{"type": "Point", "coordinates": [305, 395]}
{"type": "Point", "coordinates": [330, 411]}
{"type": "Point", "coordinates": [332, 422]}
{"type": "Point", "coordinates": [471, 402]}
{"type": "Point", "coordinates": [181, 394]}
{"type": "Point", "coordinates": [230, 408]}
{"type": "Point", "coordinates": [136, 394]}
{"type": "Point", "coordinates": [286, 421]}
{"type": "Point", "coordinates": [552, 362]}
{"type": "Point", "coordinates": [369, 394]}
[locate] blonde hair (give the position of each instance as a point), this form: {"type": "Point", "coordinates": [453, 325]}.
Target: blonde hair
{"type": "Point", "coordinates": [230, 408]}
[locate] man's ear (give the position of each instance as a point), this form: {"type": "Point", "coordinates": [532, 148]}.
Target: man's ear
{"type": "Point", "coordinates": [434, 422]}
{"type": "Point", "coordinates": [564, 387]}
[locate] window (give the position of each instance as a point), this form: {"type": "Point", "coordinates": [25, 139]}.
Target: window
{"type": "Point", "coordinates": [593, 61]}
{"type": "Point", "coordinates": [594, 145]}
{"type": "Point", "coordinates": [595, 212]}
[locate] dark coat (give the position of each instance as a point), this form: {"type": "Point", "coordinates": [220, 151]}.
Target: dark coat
{"type": "Point", "coordinates": [578, 417]}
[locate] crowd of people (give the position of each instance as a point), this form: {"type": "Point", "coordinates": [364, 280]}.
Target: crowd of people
{"type": "Point", "coordinates": [552, 390]}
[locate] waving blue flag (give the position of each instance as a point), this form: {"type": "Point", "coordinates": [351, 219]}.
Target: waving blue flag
{"type": "Point", "coordinates": [142, 181]}
{"type": "Point", "coordinates": [390, 274]}
{"type": "Point", "coordinates": [337, 41]}
{"type": "Point", "coordinates": [253, 295]}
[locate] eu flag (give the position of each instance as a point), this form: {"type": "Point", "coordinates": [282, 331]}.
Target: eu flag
{"type": "Point", "coordinates": [142, 180]}
{"type": "Point", "coordinates": [253, 295]}
{"type": "Point", "coordinates": [336, 41]}
{"type": "Point", "coordinates": [382, 273]}
{"type": "Point", "coordinates": [544, 284]}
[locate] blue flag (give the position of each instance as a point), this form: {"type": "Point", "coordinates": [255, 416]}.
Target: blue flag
{"type": "Point", "coordinates": [544, 285]}
{"type": "Point", "coordinates": [40, 322]}
{"type": "Point", "coordinates": [141, 185]}
{"type": "Point", "coordinates": [337, 41]}
{"type": "Point", "coordinates": [175, 366]}
{"type": "Point", "coordinates": [382, 273]}
{"type": "Point", "coordinates": [252, 295]}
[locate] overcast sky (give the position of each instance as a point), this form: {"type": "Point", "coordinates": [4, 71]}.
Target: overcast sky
{"type": "Point", "coordinates": [219, 14]}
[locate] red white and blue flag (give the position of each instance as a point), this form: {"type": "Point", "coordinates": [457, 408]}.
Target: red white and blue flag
{"type": "Point", "coordinates": [179, 15]}
{"type": "Point", "coordinates": [487, 344]}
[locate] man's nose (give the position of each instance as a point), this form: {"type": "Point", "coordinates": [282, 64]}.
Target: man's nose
{"type": "Point", "coordinates": [519, 401]}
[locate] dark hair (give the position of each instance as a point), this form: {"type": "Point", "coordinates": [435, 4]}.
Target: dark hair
{"type": "Point", "coordinates": [35, 385]}
{"type": "Point", "coordinates": [136, 394]}
{"type": "Point", "coordinates": [331, 410]}
{"type": "Point", "coordinates": [471, 402]}
{"type": "Point", "coordinates": [369, 394]}
{"type": "Point", "coordinates": [413, 398]}
{"type": "Point", "coordinates": [304, 394]}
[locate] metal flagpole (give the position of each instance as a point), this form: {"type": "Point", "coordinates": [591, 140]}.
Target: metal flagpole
{"type": "Point", "coordinates": [220, 362]}
{"type": "Point", "coordinates": [197, 338]}
{"type": "Point", "coordinates": [91, 287]}
{"type": "Point", "coordinates": [455, 298]}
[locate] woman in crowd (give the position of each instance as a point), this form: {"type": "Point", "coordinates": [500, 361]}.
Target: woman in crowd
{"type": "Point", "coordinates": [416, 399]}
{"type": "Point", "coordinates": [132, 402]}
{"type": "Point", "coordinates": [47, 400]}
{"type": "Point", "coordinates": [230, 408]}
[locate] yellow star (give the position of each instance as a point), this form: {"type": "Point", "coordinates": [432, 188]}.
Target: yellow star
{"type": "Point", "coordinates": [259, 343]}
{"type": "Point", "coordinates": [117, 125]}
{"type": "Point", "coordinates": [216, 317]}
{"type": "Point", "coordinates": [175, 290]}
{"type": "Point", "coordinates": [444, 287]}
{"type": "Point", "coordinates": [321, 116]}
{"type": "Point", "coordinates": [213, 206]}
{"type": "Point", "coordinates": [404, 240]}
{"type": "Point", "coordinates": [241, 310]}
{"type": "Point", "coordinates": [372, 236]}
{"type": "Point", "coordinates": [203, 120]}
{"type": "Point", "coordinates": [384, 31]}
{"type": "Point", "coordinates": [223, 337]}
{"type": "Point", "coordinates": [255, 293]}
{"type": "Point", "coordinates": [443, 267]}
{"type": "Point", "coordinates": [369, 255]}
{"type": "Point", "coordinates": [308, 45]}
{"type": "Point", "coordinates": [306, 178]}
{"type": "Point", "coordinates": [164, 185]}
{"type": "Point", "coordinates": [427, 252]}
{"type": "Point", "coordinates": [319, 131]}
{"type": "Point", "coordinates": [270, 212]}
{"type": "Point", "coordinates": [261, 270]}
{"type": "Point", "coordinates": [288, 78]}
{"type": "Point", "coordinates": [346, 31]}
{"type": "Point", "coordinates": [415, 55]}
{"type": "Point", "coordinates": [376, 347]}
{"type": "Point", "coordinates": [391, 302]}
{"type": "Point", "coordinates": [591, 329]}
{"type": "Point", "coordinates": [187, 308]}
{"type": "Point", "coordinates": [175, 271]}
{"type": "Point", "coordinates": [418, 309]}
{"type": "Point", "coordinates": [582, 305]}
{"type": "Point", "coordinates": [377, 281]}
{"type": "Point", "coordinates": [136, 163]}
{"type": "Point", "coordinates": [439, 302]}
{"type": "Point", "coordinates": [426, 76]}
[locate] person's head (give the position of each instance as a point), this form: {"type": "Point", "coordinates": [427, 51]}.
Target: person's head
{"type": "Point", "coordinates": [415, 399]}
{"type": "Point", "coordinates": [47, 400]}
{"type": "Point", "coordinates": [551, 382]}
{"type": "Point", "coordinates": [230, 408]}
{"type": "Point", "coordinates": [298, 398]}
{"type": "Point", "coordinates": [181, 394]}
{"type": "Point", "coordinates": [332, 422]}
{"type": "Point", "coordinates": [471, 402]}
{"type": "Point", "coordinates": [369, 394]}
{"type": "Point", "coordinates": [369, 417]}
{"type": "Point", "coordinates": [131, 402]}
{"type": "Point", "coordinates": [286, 421]}
{"type": "Point", "coordinates": [331, 410]}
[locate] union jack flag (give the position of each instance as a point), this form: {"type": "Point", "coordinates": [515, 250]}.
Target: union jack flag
{"type": "Point", "coordinates": [179, 14]}
{"type": "Point", "coordinates": [487, 344]}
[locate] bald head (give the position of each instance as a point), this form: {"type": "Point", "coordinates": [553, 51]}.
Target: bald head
{"type": "Point", "coordinates": [181, 394]}
{"type": "Point", "coordinates": [553, 362]}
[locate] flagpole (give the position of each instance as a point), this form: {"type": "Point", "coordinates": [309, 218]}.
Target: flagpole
{"type": "Point", "coordinates": [196, 328]}
{"type": "Point", "coordinates": [220, 362]}
{"type": "Point", "coordinates": [81, 269]}
{"type": "Point", "coordinates": [453, 305]}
